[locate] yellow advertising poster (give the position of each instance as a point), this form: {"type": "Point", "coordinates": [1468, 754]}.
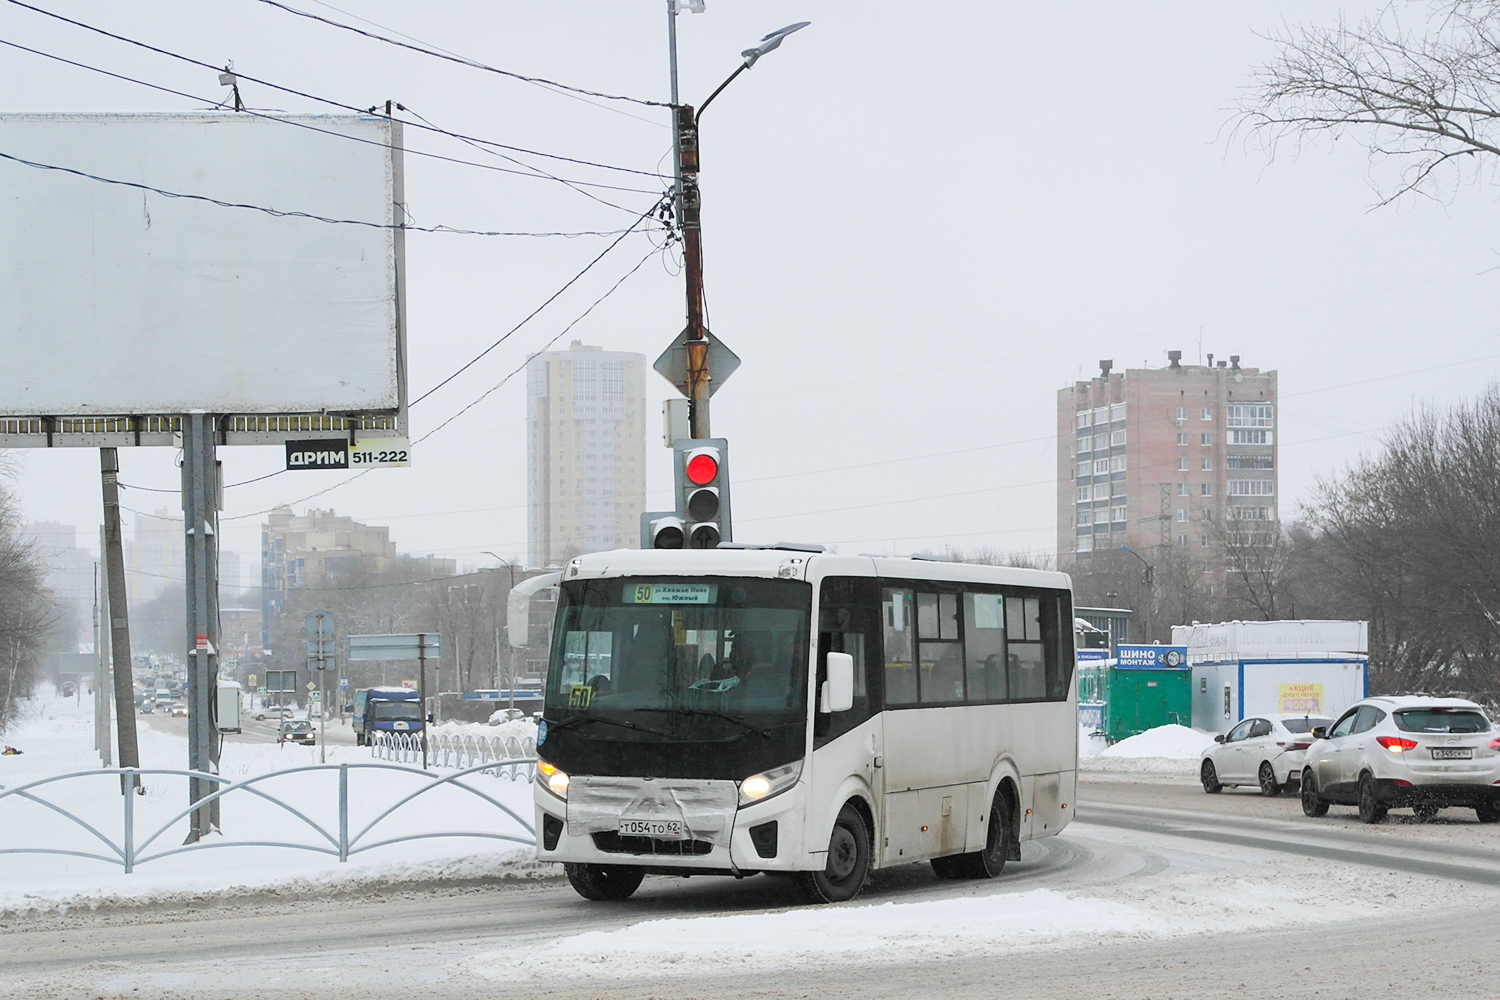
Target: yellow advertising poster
{"type": "Point", "coordinates": [1304, 698]}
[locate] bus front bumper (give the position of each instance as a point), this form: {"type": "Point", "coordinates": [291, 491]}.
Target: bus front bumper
{"type": "Point", "coordinates": [763, 836]}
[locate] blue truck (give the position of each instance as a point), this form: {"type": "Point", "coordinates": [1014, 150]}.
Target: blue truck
{"type": "Point", "coordinates": [386, 709]}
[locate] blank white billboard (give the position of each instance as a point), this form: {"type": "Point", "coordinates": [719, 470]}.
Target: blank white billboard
{"type": "Point", "coordinates": [119, 300]}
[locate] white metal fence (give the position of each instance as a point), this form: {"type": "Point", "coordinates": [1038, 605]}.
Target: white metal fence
{"type": "Point", "coordinates": [508, 755]}
{"type": "Point", "coordinates": [135, 847]}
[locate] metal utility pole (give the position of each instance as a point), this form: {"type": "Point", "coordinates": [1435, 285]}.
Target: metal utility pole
{"type": "Point", "coordinates": [200, 504]}
{"type": "Point", "coordinates": [690, 222]}
{"type": "Point", "coordinates": [112, 553]}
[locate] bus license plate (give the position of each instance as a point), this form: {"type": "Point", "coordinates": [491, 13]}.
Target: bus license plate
{"type": "Point", "coordinates": [660, 829]}
{"type": "Point", "coordinates": [1452, 753]}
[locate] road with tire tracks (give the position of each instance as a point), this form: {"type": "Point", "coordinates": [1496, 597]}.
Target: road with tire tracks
{"type": "Point", "coordinates": [1141, 842]}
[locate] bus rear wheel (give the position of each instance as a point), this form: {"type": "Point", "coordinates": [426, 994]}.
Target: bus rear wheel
{"type": "Point", "coordinates": [848, 865]}
{"type": "Point", "coordinates": [604, 882]}
{"type": "Point", "coordinates": [991, 861]}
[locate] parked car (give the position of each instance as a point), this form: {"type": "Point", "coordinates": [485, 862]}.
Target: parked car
{"type": "Point", "coordinates": [1393, 753]}
{"type": "Point", "coordinates": [1264, 750]}
{"type": "Point", "coordinates": [179, 710]}
{"type": "Point", "coordinates": [297, 731]}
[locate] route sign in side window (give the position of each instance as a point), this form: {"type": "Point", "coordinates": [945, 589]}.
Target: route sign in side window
{"type": "Point", "coordinates": [897, 611]}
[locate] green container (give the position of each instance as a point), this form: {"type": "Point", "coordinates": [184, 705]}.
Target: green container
{"type": "Point", "coordinates": [1135, 699]}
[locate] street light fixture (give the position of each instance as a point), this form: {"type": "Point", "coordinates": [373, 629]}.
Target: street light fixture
{"type": "Point", "coordinates": [1150, 578]}
{"type": "Point", "coordinates": [689, 218]}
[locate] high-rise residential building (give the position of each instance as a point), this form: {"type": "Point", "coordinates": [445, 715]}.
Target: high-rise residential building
{"type": "Point", "coordinates": [155, 555]}
{"type": "Point", "coordinates": [586, 452]}
{"type": "Point", "coordinates": [70, 568]}
{"type": "Point", "coordinates": [320, 549]}
{"type": "Point", "coordinates": [1177, 456]}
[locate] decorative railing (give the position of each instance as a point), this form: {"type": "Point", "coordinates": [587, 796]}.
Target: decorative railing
{"type": "Point", "coordinates": [135, 847]}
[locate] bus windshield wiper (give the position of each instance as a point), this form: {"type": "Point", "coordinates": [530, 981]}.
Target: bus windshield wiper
{"type": "Point", "coordinates": [710, 712]}
{"type": "Point", "coordinates": [577, 719]}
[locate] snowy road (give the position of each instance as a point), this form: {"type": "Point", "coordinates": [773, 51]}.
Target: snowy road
{"type": "Point", "coordinates": [1155, 891]}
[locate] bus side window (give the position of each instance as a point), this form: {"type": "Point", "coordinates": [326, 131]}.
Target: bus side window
{"type": "Point", "coordinates": [900, 670]}
{"type": "Point", "coordinates": [984, 645]}
{"type": "Point", "coordinates": [1025, 659]}
{"type": "Point", "coordinates": [941, 677]}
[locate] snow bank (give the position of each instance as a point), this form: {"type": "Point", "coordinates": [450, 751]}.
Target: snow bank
{"type": "Point", "coordinates": [519, 728]}
{"type": "Point", "coordinates": [56, 736]}
{"type": "Point", "coordinates": [751, 943]}
{"type": "Point", "coordinates": [1173, 741]}
{"type": "Point", "coordinates": [1090, 745]}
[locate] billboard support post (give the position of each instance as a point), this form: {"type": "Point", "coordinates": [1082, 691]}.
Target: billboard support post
{"type": "Point", "coordinates": [200, 514]}
{"type": "Point", "coordinates": [118, 623]}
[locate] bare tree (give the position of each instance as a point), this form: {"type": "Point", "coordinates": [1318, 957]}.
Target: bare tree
{"type": "Point", "coordinates": [28, 612]}
{"type": "Point", "coordinates": [1418, 85]}
{"type": "Point", "coordinates": [1412, 539]}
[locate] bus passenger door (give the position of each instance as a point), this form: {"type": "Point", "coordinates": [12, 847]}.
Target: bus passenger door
{"type": "Point", "coordinates": [846, 745]}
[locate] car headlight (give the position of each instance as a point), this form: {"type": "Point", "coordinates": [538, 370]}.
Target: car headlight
{"type": "Point", "coordinates": [762, 786]}
{"type": "Point", "coordinates": [557, 780]}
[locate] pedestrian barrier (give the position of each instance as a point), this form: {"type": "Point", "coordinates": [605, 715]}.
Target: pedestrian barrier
{"type": "Point", "coordinates": [132, 849]}
{"type": "Point", "coordinates": [492, 754]}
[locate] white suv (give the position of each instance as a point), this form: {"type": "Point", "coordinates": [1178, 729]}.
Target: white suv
{"type": "Point", "coordinates": [1386, 753]}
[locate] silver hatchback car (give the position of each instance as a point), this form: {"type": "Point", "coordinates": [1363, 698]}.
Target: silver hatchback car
{"type": "Point", "coordinates": [1392, 753]}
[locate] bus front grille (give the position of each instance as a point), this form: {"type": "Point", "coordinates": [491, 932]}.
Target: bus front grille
{"type": "Point", "coordinates": [612, 843]}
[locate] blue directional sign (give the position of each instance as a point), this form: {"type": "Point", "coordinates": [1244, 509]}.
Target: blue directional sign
{"type": "Point", "coordinates": [1152, 657]}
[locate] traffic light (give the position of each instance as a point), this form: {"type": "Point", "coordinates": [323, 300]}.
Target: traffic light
{"type": "Point", "coordinates": [662, 531]}
{"type": "Point", "coordinates": [702, 467]}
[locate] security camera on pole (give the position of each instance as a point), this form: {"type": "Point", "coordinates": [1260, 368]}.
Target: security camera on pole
{"type": "Point", "coordinates": [698, 364]}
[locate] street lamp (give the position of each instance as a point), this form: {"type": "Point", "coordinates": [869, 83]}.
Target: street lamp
{"type": "Point", "coordinates": [689, 219]}
{"type": "Point", "coordinates": [1150, 578]}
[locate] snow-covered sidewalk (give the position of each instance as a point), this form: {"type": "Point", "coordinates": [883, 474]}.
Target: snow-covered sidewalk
{"type": "Point", "coordinates": [56, 738]}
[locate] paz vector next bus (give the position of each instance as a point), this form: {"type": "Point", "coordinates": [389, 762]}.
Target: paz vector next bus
{"type": "Point", "coordinates": [781, 710]}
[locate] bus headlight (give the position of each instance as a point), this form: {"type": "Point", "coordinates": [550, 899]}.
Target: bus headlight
{"type": "Point", "coordinates": [768, 783]}
{"type": "Point", "coordinates": [557, 781]}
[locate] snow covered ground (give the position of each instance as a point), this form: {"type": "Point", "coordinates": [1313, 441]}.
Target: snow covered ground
{"type": "Point", "coordinates": [56, 738]}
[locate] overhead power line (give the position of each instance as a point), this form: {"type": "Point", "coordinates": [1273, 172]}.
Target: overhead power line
{"type": "Point", "coordinates": [531, 172]}
{"type": "Point", "coordinates": [448, 57]}
{"type": "Point", "coordinates": [279, 213]}
{"type": "Point", "coordinates": [428, 126]}
{"type": "Point", "coordinates": [482, 397]}
{"type": "Point", "coordinates": [532, 315]}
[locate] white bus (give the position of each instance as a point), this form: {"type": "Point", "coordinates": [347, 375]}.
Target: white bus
{"type": "Point", "coordinates": [787, 711]}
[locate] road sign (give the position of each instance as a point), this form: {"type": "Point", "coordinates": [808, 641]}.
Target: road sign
{"type": "Point", "coordinates": [673, 364]}
{"type": "Point", "coordinates": [320, 647]}
{"type": "Point", "coordinates": [317, 455]}
{"type": "Point", "coordinates": [320, 623]}
{"type": "Point", "coordinates": [344, 682]}
{"type": "Point", "coordinates": [409, 646]}
{"type": "Point", "coordinates": [250, 681]}
{"type": "Point", "coordinates": [311, 686]}
{"type": "Point", "coordinates": [380, 453]}
{"type": "Point", "coordinates": [317, 696]}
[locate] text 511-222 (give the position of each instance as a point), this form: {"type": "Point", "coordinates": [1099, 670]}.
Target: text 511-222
{"type": "Point", "coordinates": [376, 457]}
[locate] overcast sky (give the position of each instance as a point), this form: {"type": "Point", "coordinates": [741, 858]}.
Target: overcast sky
{"type": "Point", "coordinates": [921, 221]}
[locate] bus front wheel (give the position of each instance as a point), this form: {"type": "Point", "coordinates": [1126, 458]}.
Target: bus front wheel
{"type": "Point", "coordinates": [848, 865]}
{"type": "Point", "coordinates": [604, 882]}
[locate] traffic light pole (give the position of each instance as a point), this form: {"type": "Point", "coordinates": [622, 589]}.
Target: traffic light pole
{"type": "Point", "coordinates": [690, 221]}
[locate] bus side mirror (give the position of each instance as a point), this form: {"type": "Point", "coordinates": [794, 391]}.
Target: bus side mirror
{"type": "Point", "coordinates": [838, 689]}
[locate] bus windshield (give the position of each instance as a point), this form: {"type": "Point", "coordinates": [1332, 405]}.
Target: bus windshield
{"type": "Point", "coordinates": [680, 657]}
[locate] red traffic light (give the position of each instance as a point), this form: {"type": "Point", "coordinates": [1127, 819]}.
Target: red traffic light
{"type": "Point", "coordinates": [702, 468]}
